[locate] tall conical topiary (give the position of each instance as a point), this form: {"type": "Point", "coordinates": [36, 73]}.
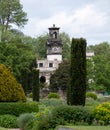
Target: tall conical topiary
{"type": "Point", "coordinates": [10, 89]}
{"type": "Point", "coordinates": [77, 88]}
{"type": "Point", "coordinates": [35, 82]}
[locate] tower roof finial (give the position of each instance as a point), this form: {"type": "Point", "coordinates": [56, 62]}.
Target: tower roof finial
{"type": "Point", "coordinates": [53, 25]}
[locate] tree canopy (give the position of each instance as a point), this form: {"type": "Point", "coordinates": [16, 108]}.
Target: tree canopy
{"type": "Point", "coordinates": [99, 71]}
{"type": "Point", "coordinates": [11, 12]}
{"type": "Point", "coordinates": [59, 79]}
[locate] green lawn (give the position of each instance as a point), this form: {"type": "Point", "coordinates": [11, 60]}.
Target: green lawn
{"type": "Point", "coordinates": [3, 128]}
{"type": "Point", "coordinates": [91, 127]}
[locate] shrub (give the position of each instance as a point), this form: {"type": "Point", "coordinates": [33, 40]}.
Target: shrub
{"type": "Point", "coordinates": [8, 121]}
{"type": "Point", "coordinates": [52, 102]}
{"type": "Point", "coordinates": [91, 95]}
{"type": "Point", "coordinates": [30, 95]}
{"type": "Point", "coordinates": [10, 89]}
{"type": "Point", "coordinates": [24, 119]}
{"type": "Point", "coordinates": [18, 108]}
{"type": "Point", "coordinates": [30, 124]}
{"type": "Point", "coordinates": [102, 113]}
{"type": "Point", "coordinates": [53, 95]}
{"type": "Point", "coordinates": [61, 115]}
{"type": "Point", "coordinates": [72, 114]}
{"type": "Point", "coordinates": [44, 120]}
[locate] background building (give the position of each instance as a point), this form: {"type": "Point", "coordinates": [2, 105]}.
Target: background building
{"type": "Point", "coordinates": [54, 54]}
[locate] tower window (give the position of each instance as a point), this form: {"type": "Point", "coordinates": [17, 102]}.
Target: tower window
{"type": "Point", "coordinates": [40, 64]}
{"type": "Point", "coordinates": [55, 35]}
{"type": "Point", "coordinates": [50, 64]}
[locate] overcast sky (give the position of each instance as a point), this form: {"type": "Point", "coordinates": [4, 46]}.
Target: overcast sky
{"type": "Point", "coordinates": [89, 19]}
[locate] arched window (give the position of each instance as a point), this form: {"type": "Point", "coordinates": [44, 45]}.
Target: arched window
{"type": "Point", "coordinates": [55, 35]}
{"type": "Point", "coordinates": [42, 79]}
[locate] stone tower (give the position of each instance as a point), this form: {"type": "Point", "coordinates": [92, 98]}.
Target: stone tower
{"type": "Point", "coordinates": [54, 54]}
{"type": "Point", "coordinates": [54, 45]}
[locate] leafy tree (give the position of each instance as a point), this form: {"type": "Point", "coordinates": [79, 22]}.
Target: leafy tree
{"type": "Point", "coordinates": [66, 45]}
{"type": "Point", "coordinates": [40, 47]}
{"type": "Point", "coordinates": [101, 48]}
{"type": "Point", "coordinates": [59, 79]}
{"type": "Point", "coordinates": [100, 69]}
{"type": "Point", "coordinates": [90, 74]}
{"type": "Point", "coordinates": [20, 57]}
{"type": "Point", "coordinates": [11, 12]}
{"type": "Point", "coordinates": [77, 88]}
{"type": "Point", "coordinates": [10, 89]}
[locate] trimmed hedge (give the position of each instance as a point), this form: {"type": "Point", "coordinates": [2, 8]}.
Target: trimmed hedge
{"type": "Point", "coordinates": [73, 114]}
{"type": "Point", "coordinates": [53, 95]}
{"type": "Point", "coordinates": [18, 108]}
{"type": "Point", "coordinates": [91, 95]}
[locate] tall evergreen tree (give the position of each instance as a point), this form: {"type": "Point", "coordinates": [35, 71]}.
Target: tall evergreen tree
{"type": "Point", "coordinates": [35, 81]}
{"type": "Point", "coordinates": [77, 88]}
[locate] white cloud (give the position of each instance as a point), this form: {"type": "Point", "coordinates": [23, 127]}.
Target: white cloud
{"type": "Point", "coordinates": [86, 20]}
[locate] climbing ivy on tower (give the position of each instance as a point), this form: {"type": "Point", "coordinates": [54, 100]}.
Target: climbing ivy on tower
{"type": "Point", "coordinates": [77, 87]}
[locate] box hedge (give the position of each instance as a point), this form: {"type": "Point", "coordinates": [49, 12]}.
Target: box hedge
{"type": "Point", "coordinates": [18, 108]}
{"type": "Point", "coordinates": [73, 114]}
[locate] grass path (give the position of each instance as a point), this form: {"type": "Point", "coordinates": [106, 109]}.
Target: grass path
{"type": "Point", "coordinates": [8, 129]}
{"type": "Point", "coordinates": [91, 127]}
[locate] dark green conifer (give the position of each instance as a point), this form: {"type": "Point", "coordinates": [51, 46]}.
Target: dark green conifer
{"type": "Point", "coordinates": [35, 82]}
{"type": "Point", "coordinates": [77, 88]}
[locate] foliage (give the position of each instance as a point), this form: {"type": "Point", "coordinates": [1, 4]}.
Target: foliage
{"type": "Point", "coordinates": [99, 70]}
{"type": "Point", "coordinates": [91, 103]}
{"type": "Point", "coordinates": [52, 102]}
{"type": "Point", "coordinates": [91, 95]}
{"type": "Point", "coordinates": [77, 87]}
{"type": "Point", "coordinates": [40, 46]}
{"type": "Point", "coordinates": [8, 121]}
{"type": "Point", "coordinates": [59, 80]}
{"type": "Point", "coordinates": [90, 74]}
{"type": "Point", "coordinates": [21, 59]}
{"type": "Point", "coordinates": [30, 124]}
{"type": "Point", "coordinates": [11, 12]}
{"type": "Point", "coordinates": [35, 80]}
{"type": "Point", "coordinates": [53, 95]}
{"type": "Point", "coordinates": [43, 120]}
{"type": "Point", "coordinates": [60, 115]}
{"type": "Point", "coordinates": [72, 114]}
{"type": "Point", "coordinates": [18, 108]}
{"type": "Point", "coordinates": [102, 113]}
{"type": "Point", "coordinates": [24, 119]}
{"type": "Point", "coordinates": [66, 46]}
{"type": "Point", "coordinates": [30, 95]}
{"type": "Point", "coordinates": [10, 89]}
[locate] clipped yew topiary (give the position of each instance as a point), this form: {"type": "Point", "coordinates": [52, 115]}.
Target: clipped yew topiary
{"type": "Point", "coordinates": [77, 87]}
{"type": "Point", "coordinates": [10, 89]}
{"type": "Point", "coordinates": [35, 83]}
